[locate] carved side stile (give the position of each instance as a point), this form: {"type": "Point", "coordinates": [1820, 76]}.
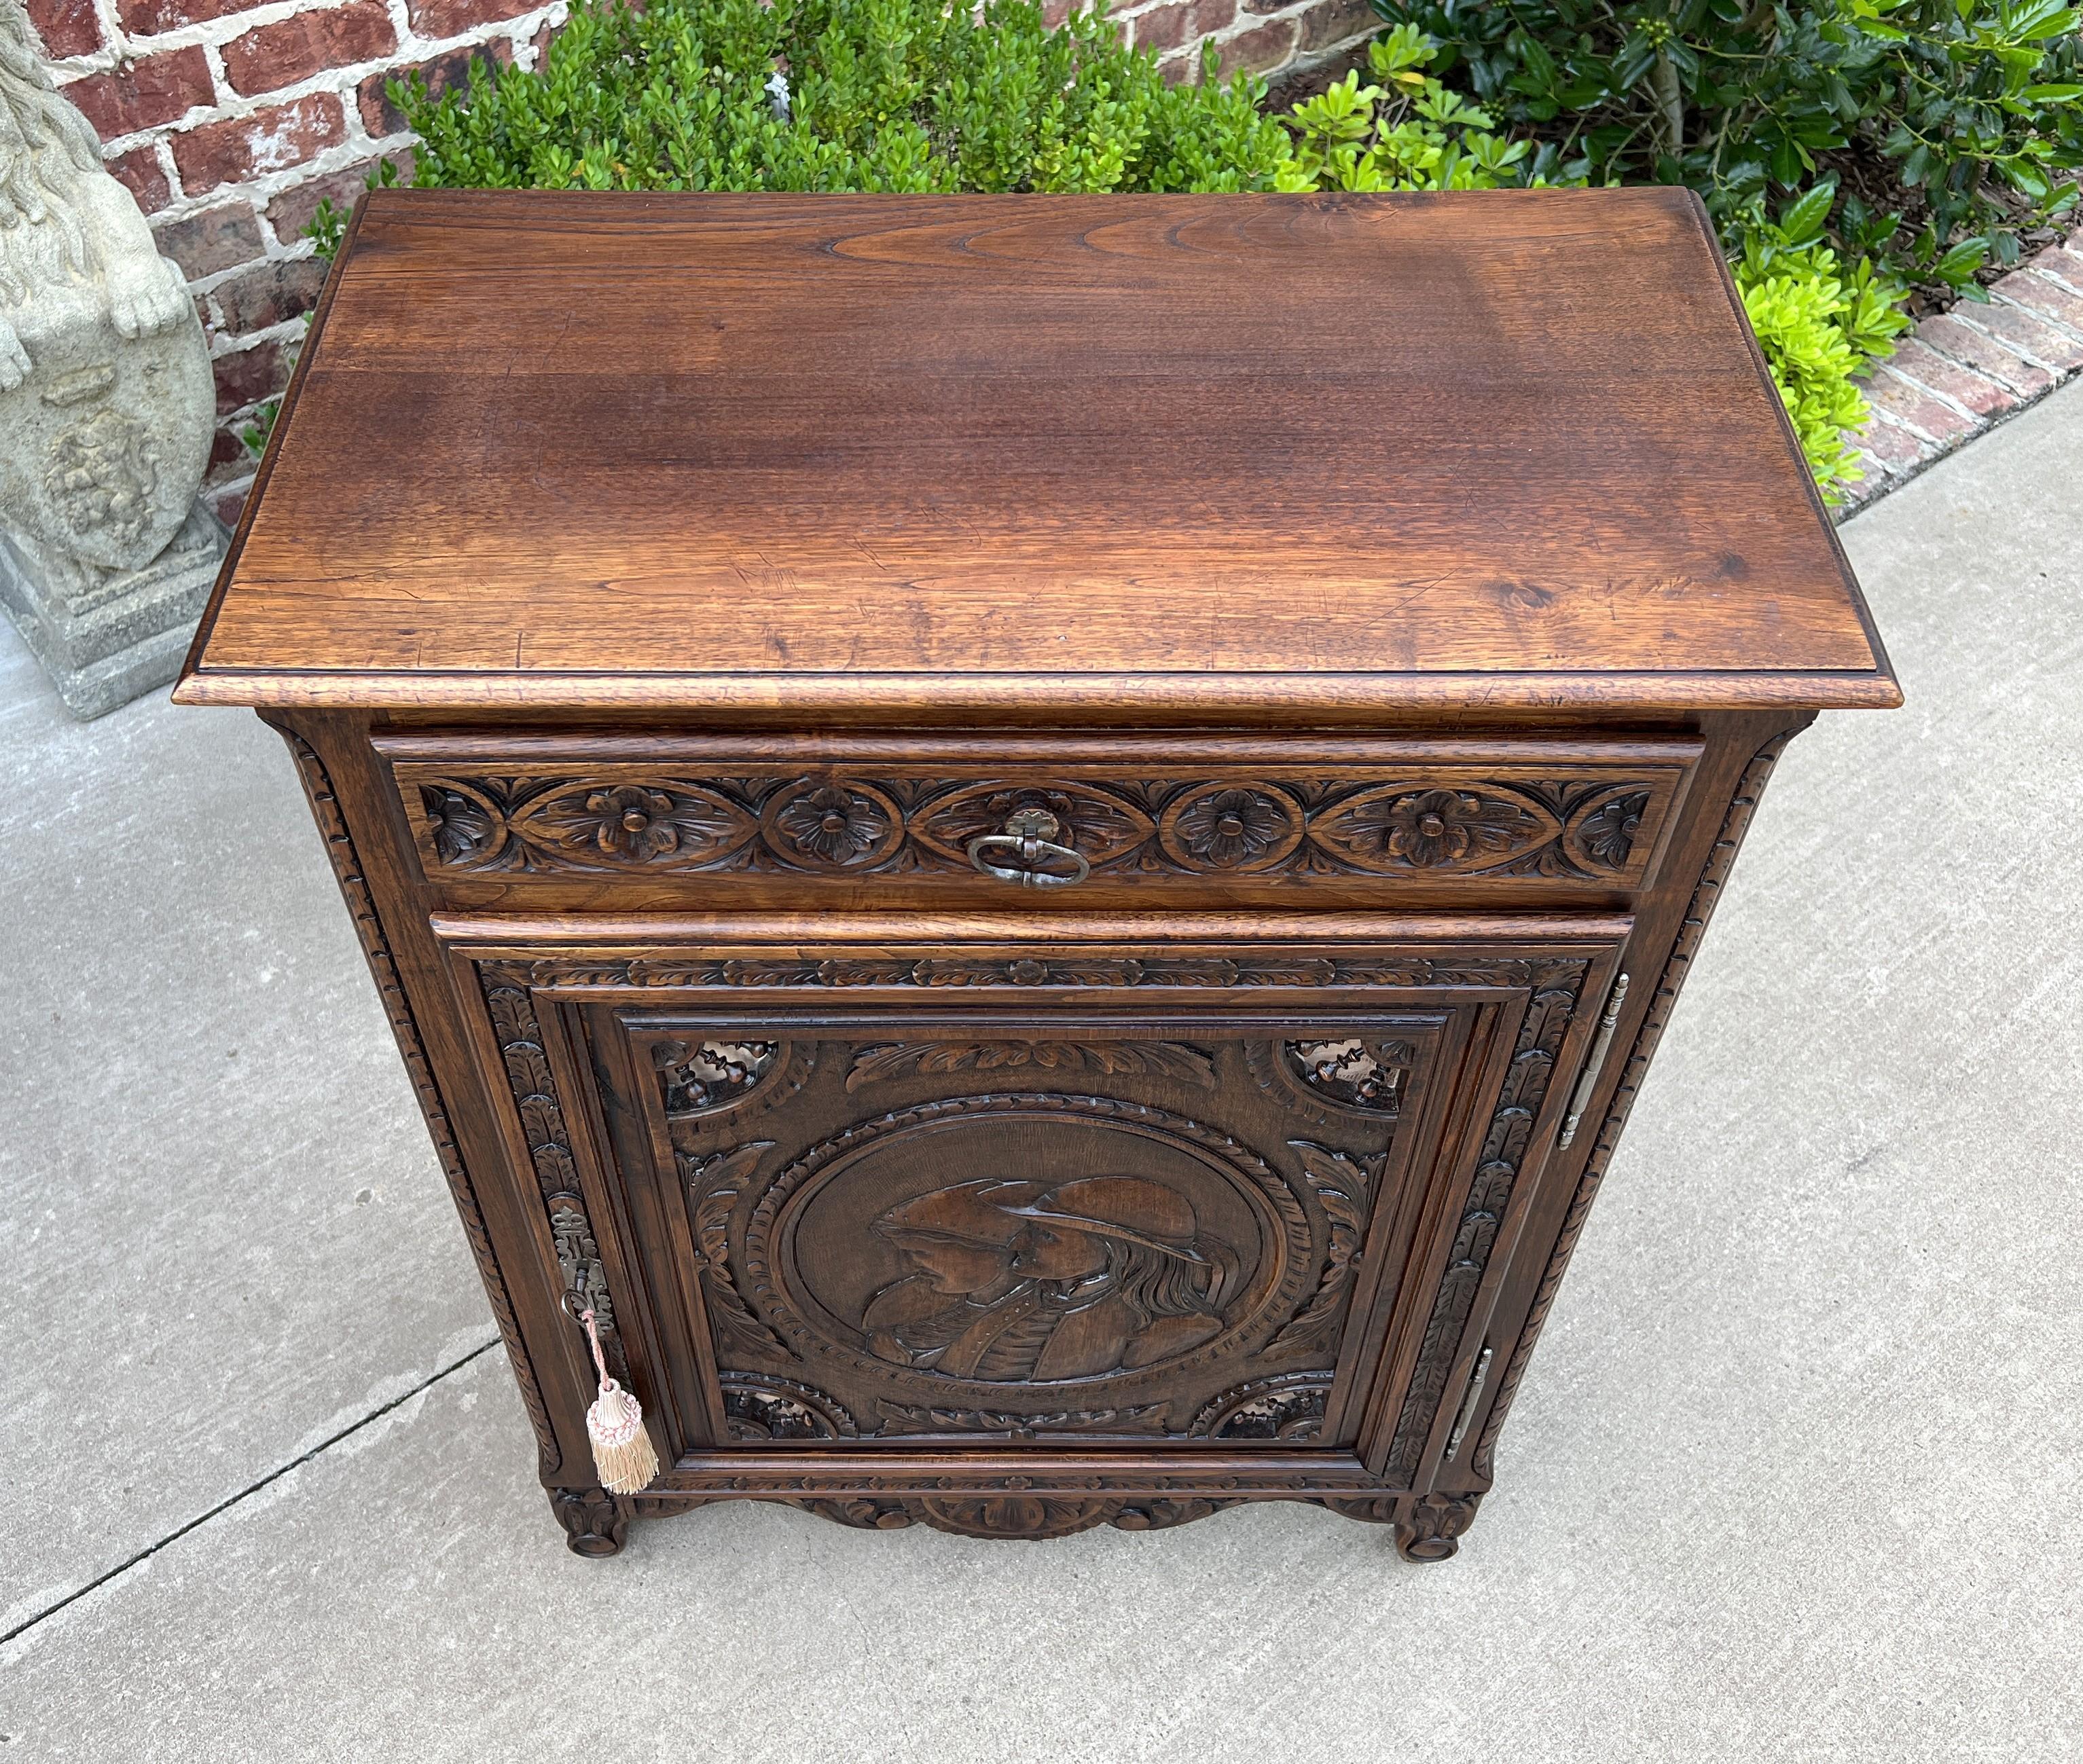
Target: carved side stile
{"type": "Point", "coordinates": [526, 1059]}
{"type": "Point", "coordinates": [1706, 894]}
{"type": "Point", "coordinates": [1549, 1014]}
{"type": "Point", "coordinates": [369, 928]}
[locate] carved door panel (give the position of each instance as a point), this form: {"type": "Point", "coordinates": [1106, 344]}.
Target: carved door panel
{"type": "Point", "coordinates": [1037, 1198]}
{"type": "Point", "coordinates": [1021, 1228]}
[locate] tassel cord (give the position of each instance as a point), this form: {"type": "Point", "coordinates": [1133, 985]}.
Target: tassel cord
{"type": "Point", "coordinates": [623, 1453]}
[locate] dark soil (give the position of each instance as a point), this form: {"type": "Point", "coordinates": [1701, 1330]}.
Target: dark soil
{"type": "Point", "coordinates": [1870, 175]}
{"type": "Point", "coordinates": [1285, 90]}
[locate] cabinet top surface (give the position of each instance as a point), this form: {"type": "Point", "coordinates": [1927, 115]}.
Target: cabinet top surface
{"type": "Point", "coordinates": [1285, 456]}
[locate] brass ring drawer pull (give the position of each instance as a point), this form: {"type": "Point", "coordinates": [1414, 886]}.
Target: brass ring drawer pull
{"type": "Point", "coordinates": [1029, 836]}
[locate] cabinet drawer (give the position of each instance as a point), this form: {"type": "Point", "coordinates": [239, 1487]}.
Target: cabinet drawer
{"type": "Point", "coordinates": [1587, 815]}
{"type": "Point", "coordinates": [1047, 1193]}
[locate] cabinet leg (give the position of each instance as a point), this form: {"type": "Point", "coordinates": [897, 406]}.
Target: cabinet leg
{"type": "Point", "coordinates": [1429, 1529]}
{"type": "Point", "coordinates": [595, 1522]}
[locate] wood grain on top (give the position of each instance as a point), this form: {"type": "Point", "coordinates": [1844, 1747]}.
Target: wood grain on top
{"type": "Point", "coordinates": [1286, 455]}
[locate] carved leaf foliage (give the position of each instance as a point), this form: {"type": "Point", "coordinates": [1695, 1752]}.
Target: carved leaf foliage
{"type": "Point", "coordinates": [1305, 971]}
{"type": "Point", "coordinates": [467, 829]}
{"type": "Point", "coordinates": [909, 1418]}
{"type": "Point", "coordinates": [714, 1185]}
{"type": "Point", "coordinates": [1450, 820]}
{"type": "Point", "coordinates": [1441, 830]}
{"type": "Point", "coordinates": [1160, 1515]}
{"type": "Point", "coordinates": [540, 1118]}
{"type": "Point", "coordinates": [763, 974]}
{"type": "Point", "coordinates": [1094, 819]}
{"type": "Point", "coordinates": [1201, 970]}
{"type": "Point", "coordinates": [864, 973]}
{"type": "Point", "coordinates": [1556, 990]}
{"type": "Point", "coordinates": [555, 1171]}
{"type": "Point", "coordinates": [1605, 837]}
{"type": "Point", "coordinates": [612, 824]}
{"type": "Point", "coordinates": [529, 1070]}
{"type": "Point", "coordinates": [1095, 971]}
{"type": "Point", "coordinates": [1342, 1188]}
{"type": "Point", "coordinates": [911, 1059]}
{"type": "Point", "coordinates": [1032, 970]}
{"type": "Point", "coordinates": [512, 1019]}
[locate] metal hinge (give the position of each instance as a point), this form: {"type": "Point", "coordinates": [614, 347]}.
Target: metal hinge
{"type": "Point", "coordinates": [1580, 1099]}
{"type": "Point", "coordinates": [1467, 1412]}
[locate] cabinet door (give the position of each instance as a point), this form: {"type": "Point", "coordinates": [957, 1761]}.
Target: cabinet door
{"type": "Point", "coordinates": [1042, 1193]}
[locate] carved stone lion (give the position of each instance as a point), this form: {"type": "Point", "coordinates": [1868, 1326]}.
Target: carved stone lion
{"type": "Point", "coordinates": [106, 398]}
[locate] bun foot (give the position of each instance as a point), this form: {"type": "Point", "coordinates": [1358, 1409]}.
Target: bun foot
{"type": "Point", "coordinates": [594, 1523]}
{"type": "Point", "coordinates": [1429, 1529]}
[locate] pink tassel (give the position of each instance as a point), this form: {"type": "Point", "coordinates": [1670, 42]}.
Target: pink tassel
{"type": "Point", "coordinates": [622, 1450]}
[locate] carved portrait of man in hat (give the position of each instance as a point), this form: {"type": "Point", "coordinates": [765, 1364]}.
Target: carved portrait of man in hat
{"type": "Point", "coordinates": [1015, 1280]}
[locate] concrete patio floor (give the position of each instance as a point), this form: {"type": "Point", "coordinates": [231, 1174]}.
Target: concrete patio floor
{"type": "Point", "coordinates": [1795, 1474]}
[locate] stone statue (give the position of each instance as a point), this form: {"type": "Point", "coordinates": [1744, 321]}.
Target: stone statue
{"type": "Point", "coordinates": [107, 407]}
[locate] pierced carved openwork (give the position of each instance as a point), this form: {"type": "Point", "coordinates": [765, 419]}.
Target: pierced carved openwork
{"type": "Point", "coordinates": [710, 1074]}
{"type": "Point", "coordinates": [1290, 1406]}
{"type": "Point", "coordinates": [1355, 1074]}
{"type": "Point", "coordinates": [779, 1408]}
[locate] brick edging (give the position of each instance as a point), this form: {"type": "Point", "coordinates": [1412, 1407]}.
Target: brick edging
{"type": "Point", "coordinates": [1960, 373]}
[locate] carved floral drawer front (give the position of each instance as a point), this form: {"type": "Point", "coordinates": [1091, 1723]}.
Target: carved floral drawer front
{"type": "Point", "coordinates": [1587, 813]}
{"type": "Point", "coordinates": [1029, 1202]}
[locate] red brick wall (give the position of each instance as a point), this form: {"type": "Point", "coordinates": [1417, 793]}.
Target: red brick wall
{"type": "Point", "coordinates": [1254, 36]}
{"type": "Point", "coordinates": [230, 119]}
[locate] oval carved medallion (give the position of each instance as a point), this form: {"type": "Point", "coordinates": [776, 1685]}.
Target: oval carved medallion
{"type": "Point", "coordinates": [1021, 1239]}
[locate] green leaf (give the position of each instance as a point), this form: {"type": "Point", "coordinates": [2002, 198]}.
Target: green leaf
{"type": "Point", "coordinates": [1634, 62]}
{"type": "Point", "coordinates": [2027, 179]}
{"type": "Point", "coordinates": [1804, 219]}
{"type": "Point", "coordinates": [1960, 263]}
{"type": "Point", "coordinates": [2039, 19]}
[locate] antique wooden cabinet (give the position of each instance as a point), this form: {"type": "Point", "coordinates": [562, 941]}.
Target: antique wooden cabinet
{"type": "Point", "coordinates": [1039, 842]}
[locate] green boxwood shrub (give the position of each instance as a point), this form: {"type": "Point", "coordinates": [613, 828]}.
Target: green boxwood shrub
{"type": "Point", "coordinates": [843, 94]}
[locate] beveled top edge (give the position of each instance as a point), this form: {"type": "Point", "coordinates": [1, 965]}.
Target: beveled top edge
{"type": "Point", "coordinates": [1272, 700]}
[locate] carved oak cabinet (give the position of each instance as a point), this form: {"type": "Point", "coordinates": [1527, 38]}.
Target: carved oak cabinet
{"type": "Point", "coordinates": [1039, 842]}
